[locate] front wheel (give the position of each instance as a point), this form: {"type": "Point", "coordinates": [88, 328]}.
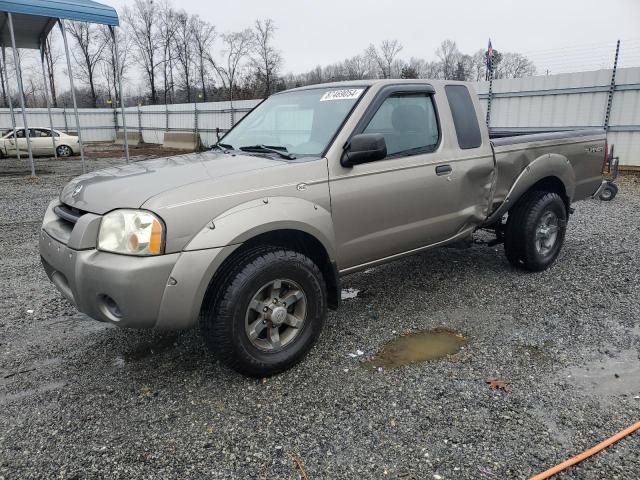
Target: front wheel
{"type": "Point", "coordinates": [535, 231]}
{"type": "Point", "coordinates": [64, 151]}
{"type": "Point", "coordinates": [266, 312]}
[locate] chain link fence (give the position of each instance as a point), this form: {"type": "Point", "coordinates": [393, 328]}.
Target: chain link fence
{"type": "Point", "coordinates": [151, 121]}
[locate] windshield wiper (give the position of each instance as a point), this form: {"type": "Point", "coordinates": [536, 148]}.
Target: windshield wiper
{"type": "Point", "coordinates": [222, 146]}
{"type": "Point", "coordinates": [264, 148]}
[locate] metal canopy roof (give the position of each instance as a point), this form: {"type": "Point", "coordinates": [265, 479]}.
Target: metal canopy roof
{"type": "Point", "coordinates": [34, 19]}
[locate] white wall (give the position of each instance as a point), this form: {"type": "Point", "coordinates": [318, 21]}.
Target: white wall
{"type": "Point", "coordinates": [570, 100]}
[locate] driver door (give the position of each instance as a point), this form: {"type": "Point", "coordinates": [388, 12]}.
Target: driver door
{"type": "Point", "coordinates": [17, 143]}
{"type": "Point", "coordinates": [405, 201]}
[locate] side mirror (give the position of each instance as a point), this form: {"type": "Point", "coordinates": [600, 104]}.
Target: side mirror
{"type": "Point", "coordinates": [364, 147]}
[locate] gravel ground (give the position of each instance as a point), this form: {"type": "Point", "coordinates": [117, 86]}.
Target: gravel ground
{"type": "Point", "coordinates": [80, 399]}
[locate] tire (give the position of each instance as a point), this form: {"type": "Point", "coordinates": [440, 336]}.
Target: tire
{"type": "Point", "coordinates": [64, 151]}
{"type": "Point", "coordinates": [243, 336]}
{"type": "Point", "coordinates": [609, 192]}
{"type": "Point", "coordinates": [535, 230]}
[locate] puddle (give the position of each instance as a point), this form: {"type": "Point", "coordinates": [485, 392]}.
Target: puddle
{"type": "Point", "coordinates": [348, 293]}
{"type": "Point", "coordinates": [420, 346]}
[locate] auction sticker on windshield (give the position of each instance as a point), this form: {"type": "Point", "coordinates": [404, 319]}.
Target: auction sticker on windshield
{"type": "Point", "coordinates": [342, 94]}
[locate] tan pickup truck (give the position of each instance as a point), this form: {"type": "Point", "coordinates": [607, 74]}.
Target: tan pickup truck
{"type": "Point", "coordinates": [249, 239]}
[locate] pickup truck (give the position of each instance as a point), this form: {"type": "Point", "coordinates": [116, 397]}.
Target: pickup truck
{"type": "Point", "coordinates": [249, 239]}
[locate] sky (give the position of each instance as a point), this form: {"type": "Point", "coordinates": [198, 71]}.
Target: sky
{"type": "Point", "coordinates": [558, 35]}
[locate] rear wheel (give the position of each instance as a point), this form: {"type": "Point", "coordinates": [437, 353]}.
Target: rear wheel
{"type": "Point", "coordinates": [535, 230]}
{"type": "Point", "coordinates": [265, 312]}
{"type": "Point", "coordinates": [64, 151]}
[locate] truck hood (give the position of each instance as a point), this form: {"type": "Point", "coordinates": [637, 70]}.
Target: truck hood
{"type": "Point", "coordinates": [129, 186]}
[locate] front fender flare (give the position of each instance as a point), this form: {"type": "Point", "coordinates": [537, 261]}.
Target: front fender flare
{"type": "Point", "coordinates": [250, 219]}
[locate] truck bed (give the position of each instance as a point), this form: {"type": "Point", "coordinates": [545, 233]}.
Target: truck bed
{"type": "Point", "coordinates": [584, 149]}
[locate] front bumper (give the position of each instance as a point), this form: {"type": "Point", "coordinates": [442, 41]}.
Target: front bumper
{"type": "Point", "coordinates": [129, 291]}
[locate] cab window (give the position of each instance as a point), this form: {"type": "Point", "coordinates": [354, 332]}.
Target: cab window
{"type": "Point", "coordinates": [408, 123]}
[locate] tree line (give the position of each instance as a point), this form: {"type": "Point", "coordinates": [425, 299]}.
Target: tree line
{"type": "Point", "coordinates": [384, 61]}
{"type": "Point", "coordinates": [170, 56]}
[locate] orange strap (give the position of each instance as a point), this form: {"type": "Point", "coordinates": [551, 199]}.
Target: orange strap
{"type": "Point", "coordinates": [587, 453]}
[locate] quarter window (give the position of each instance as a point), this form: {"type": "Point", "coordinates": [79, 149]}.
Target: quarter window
{"type": "Point", "coordinates": [408, 123]}
{"type": "Point", "coordinates": [464, 116]}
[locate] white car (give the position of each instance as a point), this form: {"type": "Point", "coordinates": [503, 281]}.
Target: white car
{"type": "Point", "coordinates": [41, 142]}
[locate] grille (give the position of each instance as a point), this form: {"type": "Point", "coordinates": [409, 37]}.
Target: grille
{"type": "Point", "coordinates": [67, 213]}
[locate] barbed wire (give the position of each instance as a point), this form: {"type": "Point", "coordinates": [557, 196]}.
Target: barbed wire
{"type": "Point", "coordinates": [585, 57]}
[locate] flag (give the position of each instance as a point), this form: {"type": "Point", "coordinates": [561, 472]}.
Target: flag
{"type": "Point", "coordinates": [489, 56]}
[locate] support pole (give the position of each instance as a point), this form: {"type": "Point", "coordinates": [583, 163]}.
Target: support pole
{"type": "Point", "coordinates": [490, 96]}
{"type": "Point", "coordinates": [5, 102]}
{"type": "Point", "coordinates": [196, 132]}
{"type": "Point", "coordinates": [612, 88]}
{"type": "Point", "coordinates": [115, 120]}
{"type": "Point", "coordinates": [73, 91]}
{"type": "Point", "coordinates": [233, 118]}
{"type": "Point", "coordinates": [46, 94]}
{"type": "Point", "coordinates": [119, 80]}
{"type": "Point", "coordinates": [16, 61]}
{"type": "Point", "coordinates": [13, 114]}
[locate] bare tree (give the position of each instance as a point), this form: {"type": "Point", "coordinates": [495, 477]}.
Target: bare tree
{"type": "Point", "coordinates": [267, 60]}
{"type": "Point", "coordinates": [52, 57]}
{"type": "Point", "coordinates": [384, 58]}
{"type": "Point", "coordinates": [389, 50]}
{"type": "Point", "coordinates": [167, 28]}
{"type": "Point", "coordinates": [423, 68]}
{"type": "Point", "coordinates": [449, 55]}
{"type": "Point", "coordinates": [184, 54]}
{"type": "Point", "coordinates": [142, 20]}
{"type": "Point", "coordinates": [479, 65]}
{"type": "Point", "coordinates": [357, 67]}
{"type": "Point", "coordinates": [237, 46]}
{"type": "Point", "coordinates": [88, 54]}
{"type": "Point", "coordinates": [514, 65]}
{"type": "Point", "coordinates": [463, 68]}
{"type": "Point", "coordinates": [203, 37]}
{"type": "Point", "coordinates": [111, 70]}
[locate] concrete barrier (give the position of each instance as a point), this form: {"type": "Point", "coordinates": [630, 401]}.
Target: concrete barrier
{"type": "Point", "coordinates": [133, 137]}
{"type": "Point", "coordinates": [182, 141]}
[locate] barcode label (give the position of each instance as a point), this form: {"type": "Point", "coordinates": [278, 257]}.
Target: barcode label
{"type": "Point", "coordinates": [343, 94]}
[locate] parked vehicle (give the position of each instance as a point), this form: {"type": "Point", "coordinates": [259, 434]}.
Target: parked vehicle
{"type": "Point", "coordinates": [249, 240]}
{"type": "Point", "coordinates": [41, 142]}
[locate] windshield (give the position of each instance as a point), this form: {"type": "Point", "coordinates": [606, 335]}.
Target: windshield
{"type": "Point", "coordinates": [303, 122]}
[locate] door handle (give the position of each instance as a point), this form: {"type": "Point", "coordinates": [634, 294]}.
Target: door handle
{"type": "Point", "coordinates": [443, 170]}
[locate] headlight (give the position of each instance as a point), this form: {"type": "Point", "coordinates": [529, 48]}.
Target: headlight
{"type": "Point", "coordinates": [131, 232]}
